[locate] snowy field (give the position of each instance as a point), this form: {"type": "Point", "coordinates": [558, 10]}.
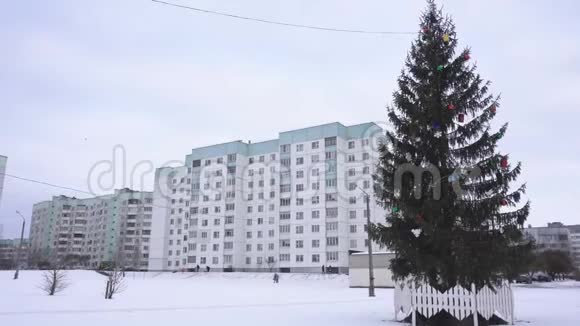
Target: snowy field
{"type": "Point", "coordinates": [240, 299]}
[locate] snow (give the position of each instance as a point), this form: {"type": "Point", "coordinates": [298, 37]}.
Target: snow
{"type": "Point", "coordinates": [240, 299]}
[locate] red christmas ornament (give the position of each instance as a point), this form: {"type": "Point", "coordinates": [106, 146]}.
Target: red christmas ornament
{"type": "Point", "coordinates": [425, 30]}
{"type": "Point", "coordinates": [493, 108]}
{"type": "Point", "coordinates": [504, 163]}
{"type": "Point", "coordinates": [461, 117]}
{"type": "Point", "coordinates": [503, 202]}
{"type": "Point", "coordinates": [451, 107]}
{"type": "Point", "coordinates": [466, 57]}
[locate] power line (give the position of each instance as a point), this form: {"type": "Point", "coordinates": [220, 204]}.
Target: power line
{"type": "Point", "coordinates": [89, 193]}
{"type": "Point", "coordinates": [47, 184]}
{"type": "Point", "coordinates": [329, 29]}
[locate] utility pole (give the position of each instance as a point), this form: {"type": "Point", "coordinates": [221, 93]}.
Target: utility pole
{"type": "Point", "coordinates": [371, 272]}
{"type": "Point", "coordinates": [20, 246]}
{"type": "Point", "coordinates": [370, 245]}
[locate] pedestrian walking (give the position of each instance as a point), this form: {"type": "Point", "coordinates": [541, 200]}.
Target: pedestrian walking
{"type": "Point", "coordinates": [276, 277]}
{"type": "Point", "coordinates": [323, 271]}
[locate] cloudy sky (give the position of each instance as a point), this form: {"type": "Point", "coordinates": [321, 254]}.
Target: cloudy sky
{"type": "Point", "coordinates": [79, 77]}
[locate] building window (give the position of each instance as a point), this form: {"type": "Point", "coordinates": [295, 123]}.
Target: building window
{"type": "Point", "coordinates": [331, 197]}
{"type": "Point", "coordinates": [314, 145]}
{"type": "Point", "coordinates": [331, 226]}
{"type": "Point", "coordinates": [285, 148]}
{"type": "Point", "coordinates": [332, 212]}
{"type": "Point", "coordinates": [315, 243]}
{"type": "Point", "coordinates": [331, 183]}
{"type": "Point", "coordinates": [332, 256]}
{"type": "Point", "coordinates": [299, 258]}
{"type": "Point", "coordinates": [332, 241]}
{"type": "Point", "coordinates": [315, 258]}
{"type": "Point", "coordinates": [299, 147]}
{"type": "Point", "coordinates": [330, 141]}
{"type": "Point", "coordinates": [353, 229]}
{"type": "Point", "coordinates": [351, 144]}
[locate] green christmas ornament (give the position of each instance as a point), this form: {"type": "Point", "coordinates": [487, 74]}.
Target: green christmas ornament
{"type": "Point", "coordinates": [440, 68]}
{"type": "Point", "coordinates": [395, 209]}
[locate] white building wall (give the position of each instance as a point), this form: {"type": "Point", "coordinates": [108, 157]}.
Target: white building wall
{"type": "Point", "coordinates": [3, 162]}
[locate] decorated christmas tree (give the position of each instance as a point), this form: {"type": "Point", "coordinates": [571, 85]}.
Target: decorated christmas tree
{"type": "Point", "coordinates": [453, 218]}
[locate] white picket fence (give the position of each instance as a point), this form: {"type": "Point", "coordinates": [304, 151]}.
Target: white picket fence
{"type": "Point", "coordinates": [457, 301]}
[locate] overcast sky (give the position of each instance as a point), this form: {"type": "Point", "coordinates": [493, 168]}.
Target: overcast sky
{"type": "Point", "coordinates": [79, 77]}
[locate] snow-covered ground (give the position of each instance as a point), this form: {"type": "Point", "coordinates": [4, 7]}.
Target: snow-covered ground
{"type": "Point", "coordinates": [239, 299]}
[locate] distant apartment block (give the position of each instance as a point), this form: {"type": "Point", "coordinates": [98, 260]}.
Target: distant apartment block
{"type": "Point", "coordinates": [3, 160]}
{"type": "Point", "coordinates": [291, 204]}
{"type": "Point", "coordinates": [100, 230]}
{"type": "Point", "coordinates": [575, 243]}
{"type": "Point", "coordinates": [557, 236]}
{"type": "Point", "coordinates": [11, 253]}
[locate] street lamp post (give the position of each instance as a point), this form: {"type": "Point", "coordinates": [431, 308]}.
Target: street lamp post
{"type": "Point", "coordinates": [370, 246]}
{"type": "Point", "coordinates": [20, 246]}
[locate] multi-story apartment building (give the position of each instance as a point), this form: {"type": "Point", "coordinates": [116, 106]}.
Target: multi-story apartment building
{"type": "Point", "coordinates": [3, 160]}
{"type": "Point", "coordinates": [575, 243]}
{"type": "Point", "coordinates": [11, 253]}
{"type": "Point", "coordinates": [557, 236]}
{"type": "Point", "coordinates": [294, 203]}
{"type": "Point", "coordinates": [95, 230]}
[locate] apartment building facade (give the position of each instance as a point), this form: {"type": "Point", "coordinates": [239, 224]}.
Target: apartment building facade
{"type": "Point", "coordinates": [11, 253]}
{"type": "Point", "coordinates": [575, 244]}
{"type": "Point", "coordinates": [557, 236]}
{"type": "Point", "coordinates": [291, 204]}
{"type": "Point", "coordinates": [3, 161]}
{"type": "Point", "coordinates": [94, 231]}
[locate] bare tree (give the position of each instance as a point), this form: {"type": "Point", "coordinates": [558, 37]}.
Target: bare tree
{"type": "Point", "coordinates": [115, 283]}
{"type": "Point", "coordinates": [116, 277]}
{"type": "Point", "coordinates": [54, 280]}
